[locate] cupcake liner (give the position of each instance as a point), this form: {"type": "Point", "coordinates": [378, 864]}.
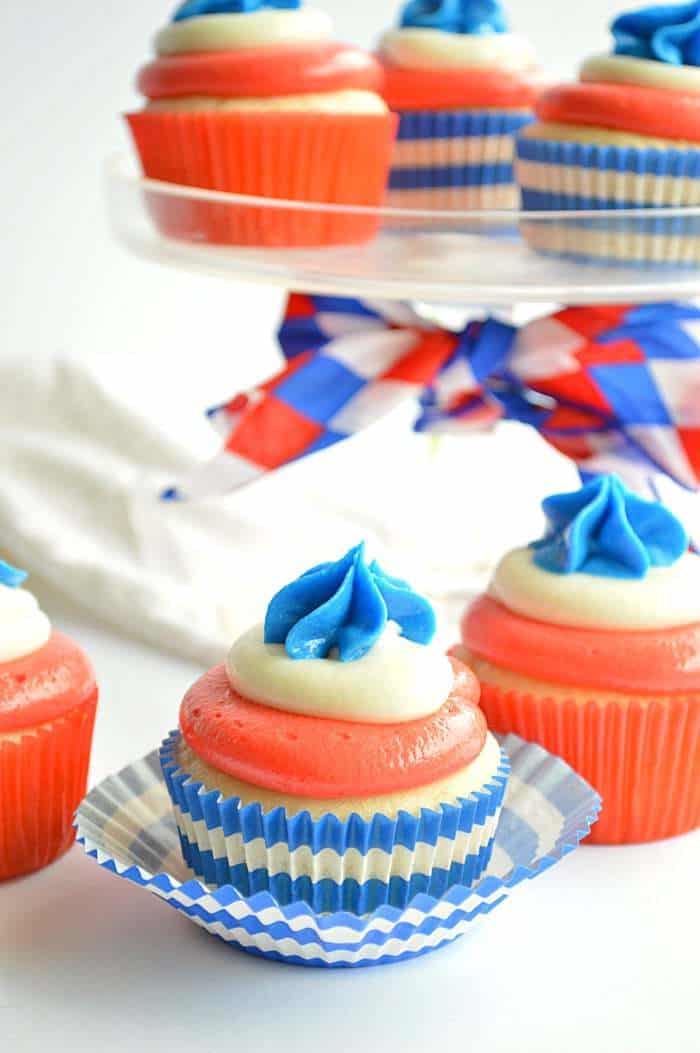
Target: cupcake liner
{"type": "Point", "coordinates": [43, 774]}
{"type": "Point", "coordinates": [643, 756]}
{"type": "Point", "coordinates": [338, 159]}
{"type": "Point", "coordinates": [126, 824]}
{"type": "Point", "coordinates": [328, 863]}
{"type": "Point", "coordinates": [455, 160]}
{"type": "Point", "coordinates": [565, 176]}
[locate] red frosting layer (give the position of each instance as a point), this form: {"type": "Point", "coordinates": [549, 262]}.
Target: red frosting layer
{"type": "Point", "coordinates": [655, 661]}
{"type": "Point", "coordinates": [624, 107]}
{"type": "Point", "coordinates": [311, 757]}
{"type": "Point", "coordinates": [427, 89]}
{"type": "Point", "coordinates": [284, 69]}
{"type": "Point", "coordinates": [44, 685]}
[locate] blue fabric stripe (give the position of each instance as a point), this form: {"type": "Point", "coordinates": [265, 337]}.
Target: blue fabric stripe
{"type": "Point", "coordinates": [450, 176]}
{"type": "Point", "coordinates": [420, 125]}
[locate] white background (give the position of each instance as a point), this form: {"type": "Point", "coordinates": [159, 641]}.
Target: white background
{"type": "Point", "coordinates": [601, 953]}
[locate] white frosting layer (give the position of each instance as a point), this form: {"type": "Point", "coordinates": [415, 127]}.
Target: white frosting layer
{"type": "Point", "coordinates": [24, 627]}
{"type": "Point", "coordinates": [437, 49]}
{"type": "Point", "coordinates": [625, 69]}
{"type": "Point", "coordinates": [349, 101]}
{"type": "Point", "coordinates": [236, 32]}
{"type": "Point", "coordinates": [665, 598]}
{"type": "Point", "coordinates": [396, 681]}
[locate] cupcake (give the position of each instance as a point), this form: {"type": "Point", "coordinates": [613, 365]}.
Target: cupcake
{"type": "Point", "coordinates": [48, 698]}
{"type": "Point", "coordinates": [588, 642]}
{"type": "Point", "coordinates": [626, 136]}
{"type": "Point", "coordinates": [337, 757]}
{"type": "Point", "coordinates": [462, 86]}
{"type": "Point", "coordinates": [256, 98]}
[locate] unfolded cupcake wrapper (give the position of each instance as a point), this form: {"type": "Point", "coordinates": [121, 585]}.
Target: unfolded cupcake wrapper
{"type": "Point", "coordinates": [328, 159]}
{"type": "Point", "coordinates": [126, 825]}
{"type": "Point", "coordinates": [455, 160]}
{"type": "Point", "coordinates": [43, 774]}
{"type": "Point", "coordinates": [567, 176]}
{"type": "Point", "coordinates": [355, 865]}
{"type": "Point", "coordinates": [642, 756]}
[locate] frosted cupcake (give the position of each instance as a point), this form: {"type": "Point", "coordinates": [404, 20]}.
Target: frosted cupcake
{"type": "Point", "coordinates": [256, 98]}
{"type": "Point", "coordinates": [588, 642]}
{"type": "Point", "coordinates": [48, 698]}
{"type": "Point", "coordinates": [337, 757]}
{"type": "Point", "coordinates": [463, 86]}
{"type": "Point", "coordinates": [627, 135]}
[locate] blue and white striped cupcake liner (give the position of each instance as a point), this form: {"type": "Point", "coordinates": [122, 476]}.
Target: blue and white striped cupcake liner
{"type": "Point", "coordinates": [580, 177]}
{"type": "Point", "coordinates": [126, 824]}
{"type": "Point", "coordinates": [354, 865]}
{"type": "Point", "coordinates": [455, 160]}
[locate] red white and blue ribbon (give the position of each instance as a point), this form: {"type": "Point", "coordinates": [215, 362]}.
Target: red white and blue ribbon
{"type": "Point", "coordinates": [615, 388]}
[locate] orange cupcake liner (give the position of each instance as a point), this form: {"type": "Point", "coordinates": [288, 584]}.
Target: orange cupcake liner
{"type": "Point", "coordinates": [339, 159]}
{"type": "Point", "coordinates": [43, 777]}
{"type": "Point", "coordinates": [643, 757]}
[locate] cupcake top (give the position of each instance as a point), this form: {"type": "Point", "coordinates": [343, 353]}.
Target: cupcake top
{"type": "Point", "coordinates": [609, 597]}
{"type": "Point", "coordinates": [24, 627]}
{"type": "Point", "coordinates": [461, 49]}
{"type": "Point", "coordinates": [42, 673]}
{"type": "Point", "coordinates": [656, 50]}
{"type": "Point", "coordinates": [609, 559]}
{"type": "Point", "coordinates": [343, 663]}
{"type": "Point", "coordinates": [235, 53]}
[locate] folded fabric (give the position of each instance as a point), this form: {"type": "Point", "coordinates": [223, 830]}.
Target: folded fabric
{"type": "Point", "coordinates": [614, 387]}
{"type": "Point", "coordinates": [86, 448]}
{"type": "Point", "coordinates": [79, 509]}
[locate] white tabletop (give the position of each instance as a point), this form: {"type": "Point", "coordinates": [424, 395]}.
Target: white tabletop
{"type": "Point", "coordinates": [600, 953]}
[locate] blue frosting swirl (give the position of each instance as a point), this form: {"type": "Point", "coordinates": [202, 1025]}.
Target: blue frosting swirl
{"type": "Point", "coordinates": [668, 34]}
{"type": "Point", "coordinates": [481, 17]}
{"type": "Point", "coordinates": [345, 606]}
{"type": "Point", "coordinates": [606, 530]}
{"type": "Point", "coordinates": [196, 8]}
{"type": "Point", "coordinates": [10, 576]}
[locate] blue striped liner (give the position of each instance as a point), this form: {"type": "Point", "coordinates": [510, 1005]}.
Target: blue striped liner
{"type": "Point", "coordinates": [459, 124]}
{"type": "Point", "coordinates": [126, 825]}
{"type": "Point", "coordinates": [642, 161]}
{"type": "Point", "coordinates": [252, 824]}
{"type": "Point", "coordinates": [443, 176]}
{"type": "Point", "coordinates": [564, 194]}
{"type": "Point", "coordinates": [420, 127]}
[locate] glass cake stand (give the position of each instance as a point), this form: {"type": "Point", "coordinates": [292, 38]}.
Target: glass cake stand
{"type": "Point", "coordinates": [450, 265]}
{"type": "Point", "coordinates": [439, 257]}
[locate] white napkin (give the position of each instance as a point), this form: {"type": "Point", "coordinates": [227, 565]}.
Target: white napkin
{"type": "Point", "coordinates": [85, 455]}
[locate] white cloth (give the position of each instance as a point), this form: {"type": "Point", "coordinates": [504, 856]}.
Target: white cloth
{"type": "Point", "coordinates": [79, 509]}
{"type": "Point", "coordinates": [85, 454]}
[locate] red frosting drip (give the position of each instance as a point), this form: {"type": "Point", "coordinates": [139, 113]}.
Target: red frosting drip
{"type": "Point", "coordinates": [44, 685]}
{"type": "Point", "coordinates": [284, 69]}
{"type": "Point", "coordinates": [624, 107]}
{"type": "Point", "coordinates": [655, 661]}
{"type": "Point", "coordinates": [428, 89]}
{"type": "Point", "coordinates": [312, 757]}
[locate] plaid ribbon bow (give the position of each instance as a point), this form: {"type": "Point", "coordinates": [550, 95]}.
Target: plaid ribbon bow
{"type": "Point", "coordinates": [616, 388]}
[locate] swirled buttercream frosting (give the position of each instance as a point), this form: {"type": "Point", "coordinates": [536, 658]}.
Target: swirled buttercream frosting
{"type": "Point", "coordinates": [197, 8]}
{"type": "Point", "coordinates": [344, 607]}
{"type": "Point", "coordinates": [606, 530]}
{"type": "Point", "coordinates": [456, 16]}
{"type": "Point", "coordinates": [609, 560]}
{"type": "Point", "coordinates": [24, 628]}
{"type": "Point", "coordinates": [667, 33]}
